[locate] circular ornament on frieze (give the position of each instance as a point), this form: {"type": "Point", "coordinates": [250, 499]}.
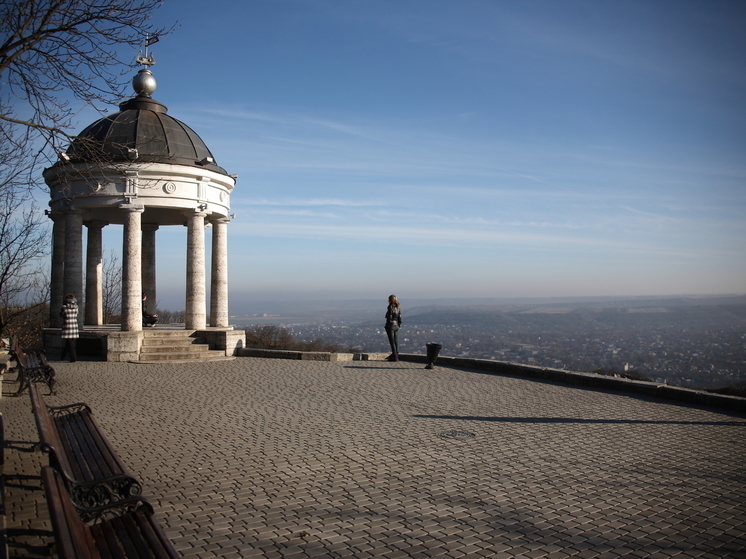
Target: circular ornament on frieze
{"type": "Point", "coordinates": [223, 195]}
{"type": "Point", "coordinates": [169, 188]}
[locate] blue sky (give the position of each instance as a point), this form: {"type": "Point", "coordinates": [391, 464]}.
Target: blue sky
{"type": "Point", "coordinates": [466, 148]}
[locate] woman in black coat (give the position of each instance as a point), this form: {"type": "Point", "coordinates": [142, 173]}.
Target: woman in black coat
{"type": "Point", "coordinates": [393, 323]}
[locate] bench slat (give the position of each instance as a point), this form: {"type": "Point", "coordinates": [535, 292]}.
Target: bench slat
{"type": "Point", "coordinates": [154, 535]}
{"type": "Point", "coordinates": [136, 546]}
{"type": "Point", "coordinates": [77, 449]}
{"type": "Point", "coordinates": [92, 452]}
{"type": "Point", "coordinates": [106, 540]}
{"type": "Point", "coordinates": [102, 445]}
{"type": "Point", "coordinates": [102, 544]}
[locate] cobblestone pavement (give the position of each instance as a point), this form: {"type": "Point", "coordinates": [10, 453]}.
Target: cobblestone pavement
{"type": "Point", "coordinates": [296, 459]}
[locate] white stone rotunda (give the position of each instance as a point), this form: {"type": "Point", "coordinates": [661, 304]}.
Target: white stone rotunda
{"type": "Point", "coordinates": [142, 169]}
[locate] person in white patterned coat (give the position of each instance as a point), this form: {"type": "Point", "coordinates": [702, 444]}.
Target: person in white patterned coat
{"type": "Point", "coordinates": [70, 334]}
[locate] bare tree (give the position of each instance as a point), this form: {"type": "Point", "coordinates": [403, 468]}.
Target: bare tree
{"type": "Point", "coordinates": [166, 316]}
{"type": "Point", "coordinates": [23, 240]}
{"type": "Point", "coordinates": [112, 288]}
{"type": "Point", "coordinates": [56, 56]}
{"type": "Point", "coordinates": [60, 51]}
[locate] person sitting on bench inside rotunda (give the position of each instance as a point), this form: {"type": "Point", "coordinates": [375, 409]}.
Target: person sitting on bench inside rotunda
{"type": "Point", "coordinates": [147, 319]}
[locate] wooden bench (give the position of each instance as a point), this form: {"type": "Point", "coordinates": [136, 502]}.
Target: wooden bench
{"type": "Point", "coordinates": [79, 451]}
{"type": "Point", "coordinates": [32, 366]}
{"type": "Point", "coordinates": [126, 531]}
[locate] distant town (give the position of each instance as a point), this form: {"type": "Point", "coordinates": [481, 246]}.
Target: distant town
{"type": "Point", "coordinates": [694, 342]}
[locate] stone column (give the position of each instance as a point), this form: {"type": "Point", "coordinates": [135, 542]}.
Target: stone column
{"type": "Point", "coordinates": [148, 265]}
{"type": "Point", "coordinates": [57, 279]}
{"type": "Point", "coordinates": [219, 278]}
{"type": "Point", "coordinates": [131, 269]}
{"type": "Point", "coordinates": [195, 285]}
{"type": "Point", "coordinates": [73, 272]}
{"type": "Point", "coordinates": [94, 296]}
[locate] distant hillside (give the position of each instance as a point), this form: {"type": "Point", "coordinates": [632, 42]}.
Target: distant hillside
{"type": "Point", "coordinates": [707, 313]}
{"type": "Point", "coordinates": [492, 312]}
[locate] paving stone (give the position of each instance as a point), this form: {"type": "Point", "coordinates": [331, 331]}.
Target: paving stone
{"type": "Point", "coordinates": [242, 457]}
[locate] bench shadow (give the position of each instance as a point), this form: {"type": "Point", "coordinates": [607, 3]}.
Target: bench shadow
{"type": "Point", "coordinates": [578, 420]}
{"type": "Point", "coordinates": [10, 381]}
{"type": "Point", "coordinates": [23, 393]}
{"type": "Point", "coordinates": [25, 483]}
{"type": "Point", "coordinates": [21, 477]}
{"type": "Point", "coordinates": [28, 532]}
{"type": "Point", "coordinates": [22, 446]}
{"type": "Point", "coordinates": [14, 539]}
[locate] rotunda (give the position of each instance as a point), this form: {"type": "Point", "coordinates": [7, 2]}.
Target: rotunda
{"type": "Point", "coordinates": [143, 169]}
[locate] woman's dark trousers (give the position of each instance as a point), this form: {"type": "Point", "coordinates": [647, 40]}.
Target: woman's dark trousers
{"type": "Point", "coordinates": [69, 348]}
{"type": "Point", "coordinates": [393, 342]}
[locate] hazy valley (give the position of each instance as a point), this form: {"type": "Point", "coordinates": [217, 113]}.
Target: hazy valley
{"type": "Point", "coordinates": [688, 341]}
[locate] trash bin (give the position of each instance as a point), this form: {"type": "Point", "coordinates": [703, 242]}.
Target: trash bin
{"type": "Point", "coordinates": [432, 354]}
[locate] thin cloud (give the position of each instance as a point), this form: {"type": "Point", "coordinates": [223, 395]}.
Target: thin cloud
{"type": "Point", "coordinates": [458, 237]}
{"type": "Point", "coordinates": [653, 216]}
{"type": "Point", "coordinates": [296, 202]}
{"type": "Point", "coordinates": [301, 213]}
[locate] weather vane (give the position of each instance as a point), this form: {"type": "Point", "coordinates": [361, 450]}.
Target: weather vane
{"type": "Point", "coordinates": [147, 59]}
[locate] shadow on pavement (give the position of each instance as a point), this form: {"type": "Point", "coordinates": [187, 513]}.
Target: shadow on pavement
{"type": "Point", "coordinates": [578, 420]}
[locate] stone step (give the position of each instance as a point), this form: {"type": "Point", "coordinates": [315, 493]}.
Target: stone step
{"type": "Point", "coordinates": [164, 331]}
{"type": "Point", "coordinates": [175, 346]}
{"type": "Point", "coordinates": [209, 355]}
{"type": "Point", "coordinates": [171, 342]}
{"type": "Point", "coordinates": [155, 333]}
{"type": "Point", "coordinates": [189, 348]}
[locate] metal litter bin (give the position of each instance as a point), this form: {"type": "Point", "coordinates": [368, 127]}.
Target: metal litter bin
{"type": "Point", "coordinates": [432, 354]}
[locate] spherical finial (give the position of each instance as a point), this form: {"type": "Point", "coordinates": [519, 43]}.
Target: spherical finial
{"type": "Point", "coordinates": [144, 83]}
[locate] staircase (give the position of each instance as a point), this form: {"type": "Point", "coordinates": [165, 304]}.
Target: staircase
{"type": "Point", "coordinates": [176, 345]}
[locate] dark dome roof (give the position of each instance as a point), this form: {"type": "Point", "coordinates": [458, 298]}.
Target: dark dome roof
{"type": "Point", "coordinates": [142, 132]}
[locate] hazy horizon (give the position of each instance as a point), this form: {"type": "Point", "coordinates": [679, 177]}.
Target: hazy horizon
{"type": "Point", "coordinates": [279, 310]}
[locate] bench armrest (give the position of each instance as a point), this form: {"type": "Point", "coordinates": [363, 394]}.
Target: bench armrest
{"type": "Point", "coordinates": [103, 492]}
{"type": "Point", "coordinates": [94, 515]}
{"type": "Point", "coordinates": [59, 411]}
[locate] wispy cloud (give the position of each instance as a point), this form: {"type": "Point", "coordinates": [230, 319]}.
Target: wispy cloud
{"type": "Point", "coordinates": [493, 238]}
{"type": "Point", "coordinates": [656, 217]}
{"type": "Point", "coordinates": [298, 202]}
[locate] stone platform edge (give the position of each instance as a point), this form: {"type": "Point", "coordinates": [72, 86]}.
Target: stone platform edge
{"type": "Point", "coordinates": [587, 380]}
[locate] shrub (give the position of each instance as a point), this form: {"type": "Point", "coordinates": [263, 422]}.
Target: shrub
{"type": "Point", "coordinates": [632, 375]}
{"type": "Point", "coordinates": [733, 389]}
{"type": "Point", "coordinates": [270, 336]}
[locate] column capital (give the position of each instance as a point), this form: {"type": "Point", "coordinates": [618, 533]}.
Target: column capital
{"type": "Point", "coordinates": [131, 207]}
{"type": "Point", "coordinates": [95, 224]}
{"type": "Point", "coordinates": [195, 212]}
{"type": "Point", "coordinates": [55, 215]}
{"type": "Point", "coordinates": [149, 226]}
{"type": "Point", "coordinates": [220, 220]}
